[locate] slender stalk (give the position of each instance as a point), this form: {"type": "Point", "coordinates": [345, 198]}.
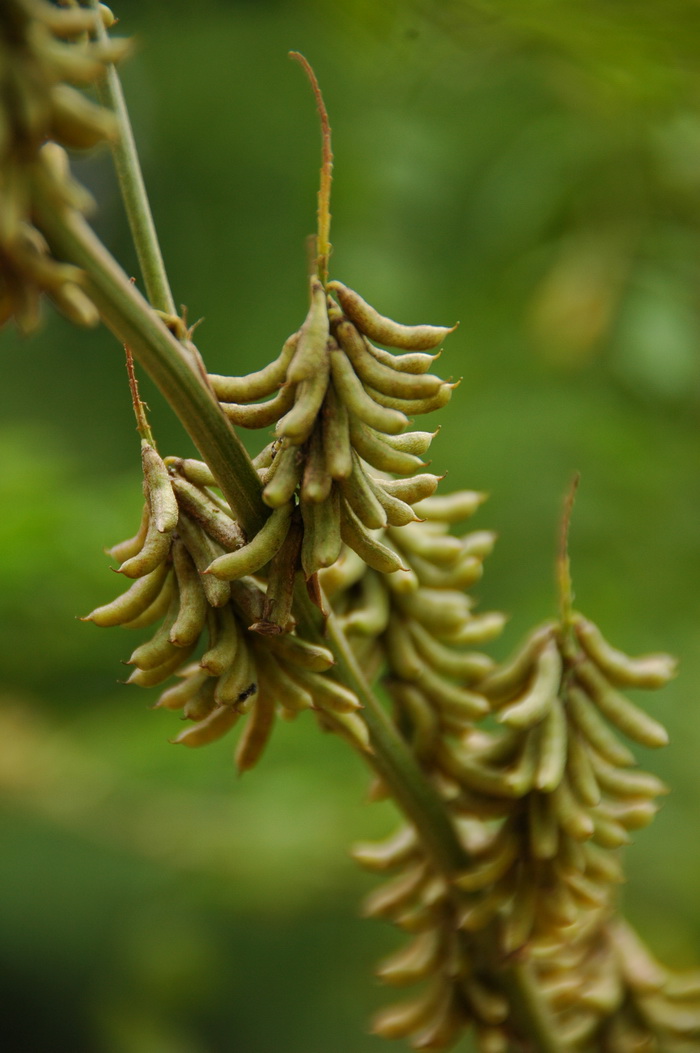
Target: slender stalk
{"type": "Point", "coordinates": [133, 189]}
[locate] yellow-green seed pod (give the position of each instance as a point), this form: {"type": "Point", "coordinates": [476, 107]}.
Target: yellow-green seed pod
{"type": "Point", "coordinates": [238, 686]}
{"type": "Point", "coordinates": [298, 652]}
{"type": "Point", "coordinates": [442, 613]}
{"type": "Point", "coordinates": [327, 693]}
{"type": "Point", "coordinates": [442, 550]}
{"type": "Point", "coordinates": [403, 657]}
{"type": "Point", "coordinates": [489, 1005]}
{"type": "Point", "coordinates": [650, 671]}
{"type": "Point", "coordinates": [361, 497]}
{"type": "Point", "coordinates": [383, 377]}
{"type": "Point", "coordinates": [336, 435]}
{"type": "Point", "coordinates": [176, 697]}
{"type": "Point", "coordinates": [192, 612]}
{"type": "Point", "coordinates": [159, 673]}
{"type": "Point", "coordinates": [395, 895]}
{"type": "Point", "coordinates": [384, 330]}
{"type": "Point", "coordinates": [451, 508]}
{"type": "Point", "coordinates": [317, 481]}
{"type": "Point", "coordinates": [621, 782]}
{"type": "Point", "coordinates": [552, 748]}
{"type": "Point", "coordinates": [313, 337]}
{"type": "Point", "coordinates": [418, 960]}
{"type": "Point", "coordinates": [132, 546]}
{"type": "Point", "coordinates": [153, 552]}
{"type": "Point", "coordinates": [285, 476]}
{"type": "Point", "coordinates": [159, 490]}
{"type": "Point", "coordinates": [369, 614]}
{"type": "Point", "coordinates": [396, 512]}
{"type": "Point", "coordinates": [572, 817]}
{"type": "Point", "coordinates": [78, 123]}
{"type": "Point", "coordinates": [418, 714]}
{"type": "Point", "coordinates": [535, 703]}
{"type": "Point", "coordinates": [256, 733]}
{"type": "Point", "coordinates": [413, 362]}
{"type": "Point", "coordinates": [200, 507]}
{"type": "Point", "coordinates": [494, 866]}
{"type": "Point", "coordinates": [468, 666]}
{"type": "Point", "coordinates": [375, 554]}
{"type": "Point", "coordinates": [322, 540]}
{"type": "Point", "coordinates": [281, 579]}
{"type": "Point", "coordinates": [194, 471]}
{"type": "Point", "coordinates": [630, 719]}
{"type": "Point", "coordinates": [262, 414]}
{"type": "Point", "coordinates": [450, 698]}
{"type": "Point", "coordinates": [607, 832]}
{"type": "Point", "coordinates": [392, 852]}
{"type": "Point", "coordinates": [350, 390]}
{"type": "Point", "coordinates": [298, 423]}
{"type": "Point", "coordinates": [414, 442]}
{"type": "Point", "coordinates": [158, 649]}
{"type": "Point", "coordinates": [202, 704]}
{"type": "Point", "coordinates": [133, 602]}
{"type": "Point", "coordinates": [543, 827]}
{"type": "Point", "coordinates": [257, 385]}
{"type": "Point", "coordinates": [213, 727]}
{"type": "Point", "coordinates": [512, 676]}
{"type": "Point", "coordinates": [520, 918]}
{"type": "Point", "coordinates": [157, 609]}
{"type": "Point", "coordinates": [593, 728]}
{"type": "Point", "coordinates": [292, 696]}
{"type": "Point", "coordinates": [479, 629]}
{"type": "Point", "coordinates": [580, 770]}
{"type": "Point", "coordinates": [414, 407]}
{"type": "Point", "coordinates": [258, 551]}
{"type": "Point", "coordinates": [379, 454]}
{"type": "Point", "coordinates": [225, 639]}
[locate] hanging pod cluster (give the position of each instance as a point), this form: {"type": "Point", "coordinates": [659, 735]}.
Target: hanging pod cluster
{"type": "Point", "coordinates": [185, 528]}
{"type": "Point", "coordinates": [542, 801]}
{"type": "Point", "coordinates": [45, 54]}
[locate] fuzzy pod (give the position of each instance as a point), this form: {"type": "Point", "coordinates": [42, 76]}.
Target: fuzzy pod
{"type": "Point", "coordinates": [258, 551]}
{"type": "Point", "coordinates": [382, 329]}
{"type": "Point", "coordinates": [378, 375]}
{"type": "Point", "coordinates": [258, 385]}
{"type": "Point", "coordinates": [133, 602]}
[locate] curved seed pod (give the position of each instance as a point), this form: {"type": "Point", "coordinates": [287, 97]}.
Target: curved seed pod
{"type": "Point", "coordinates": [202, 703]}
{"type": "Point", "coordinates": [362, 498]}
{"type": "Point", "coordinates": [384, 330]}
{"type": "Point", "coordinates": [313, 337]}
{"type": "Point", "coordinates": [474, 775]}
{"type": "Point", "coordinates": [607, 832]}
{"type": "Point", "coordinates": [498, 862]}
{"type": "Point", "coordinates": [196, 472]}
{"type": "Point", "coordinates": [392, 852]}
{"type": "Point", "coordinates": [633, 813]}
{"type": "Point", "coordinates": [552, 748]}
{"type": "Point", "coordinates": [132, 603]}
{"type": "Point", "coordinates": [219, 721]}
{"type": "Point", "coordinates": [380, 454]}
{"type": "Point", "coordinates": [532, 706]}
{"type": "Point", "coordinates": [349, 726]}
{"type": "Point", "coordinates": [572, 817]}
{"type": "Point", "coordinates": [450, 698]}
{"type": "Point", "coordinates": [317, 481]}
{"type": "Point", "coordinates": [630, 719]}
{"type": "Point", "coordinates": [418, 714]}
{"type": "Point", "coordinates": [225, 638]}
{"type": "Point", "coordinates": [256, 733]}
{"type": "Point", "coordinates": [158, 649]}
{"type": "Point", "coordinates": [601, 866]}
{"type": "Point", "coordinates": [328, 693]}
{"type": "Point", "coordinates": [413, 407]}
{"type": "Point", "coordinates": [321, 542]}
{"type": "Point", "coordinates": [469, 665]}
{"type": "Point", "coordinates": [452, 508]}
{"type": "Point", "coordinates": [479, 543]}
{"type": "Point", "coordinates": [479, 629]}
{"type": "Point", "coordinates": [593, 728]}
{"type": "Point", "coordinates": [76, 122]}
{"type": "Point", "coordinates": [159, 491]}
{"type": "Point", "coordinates": [509, 677]}
{"type": "Point", "coordinates": [353, 394]}
{"type": "Point", "coordinates": [267, 455]}
{"type": "Point", "coordinates": [373, 552]}
{"type": "Point", "coordinates": [238, 686]}
{"type": "Point", "coordinates": [258, 551]}
{"type": "Point", "coordinates": [394, 895]}
{"type": "Point", "coordinates": [299, 652]}
{"type": "Point", "coordinates": [336, 435]}
{"type": "Point", "coordinates": [159, 673]}
{"type": "Point", "coordinates": [543, 827]}
{"type": "Point", "coordinates": [396, 513]}
{"type": "Point", "coordinates": [620, 782]}
{"type": "Point", "coordinates": [285, 478]}
{"type": "Point", "coordinates": [413, 362]}
{"type": "Point", "coordinates": [587, 892]}
{"type": "Point", "coordinates": [488, 1004]}
{"type": "Point", "coordinates": [369, 615]}
{"type": "Point", "coordinates": [263, 414]}
{"type": "Point", "coordinates": [176, 697]}
{"type": "Point", "coordinates": [443, 613]}
{"type": "Point", "coordinates": [154, 551]}
{"type": "Point", "coordinates": [203, 510]}
{"type": "Point", "coordinates": [480, 912]}
{"type": "Point", "coordinates": [442, 549]}
{"type": "Point", "coordinates": [580, 771]}
{"type": "Point", "coordinates": [461, 575]}
{"type": "Point", "coordinates": [281, 578]}
{"type": "Point", "coordinates": [653, 670]}
{"type": "Point", "coordinates": [203, 550]}
{"type": "Point", "coordinates": [411, 490]}
{"type": "Point", "coordinates": [280, 685]}
{"type": "Point", "coordinates": [156, 610]}
{"type": "Point", "coordinates": [403, 658]}
{"type": "Point", "coordinates": [520, 920]}
{"type": "Point", "coordinates": [415, 442]}
{"type": "Point", "coordinates": [491, 1039]}
{"type": "Point", "coordinates": [383, 377]}
{"type": "Point", "coordinates": [258, 385]}
{"type": "Point", "coordinates": [443, 1030]}
{"type": "Point", "coordinates": [297, 424]}
{"type": "Point", "coordinates": [416, 961]}
{"type": "Point", "coordinates": [126, 549]}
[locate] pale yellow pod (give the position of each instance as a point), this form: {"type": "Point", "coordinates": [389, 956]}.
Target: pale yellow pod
{"type": "Point", "coordinates": [489, 1005]}
{"type": "Point", "coordinates": [451, 698]}
{"type": "Point", "coordinates": [159, 490]}
{"type": "Point", "coordinates": [420, 716]}
{"type": "Point", "coordinates": [375, 554]}
{"type": "Point", "coordinates": [552, 748]}
{"type": "Point", "coordinates": [322, 541]}
{"type": "Point", "coordinates": [479, 543]}
{"type": "Point", "coordinates": [395, 850]}
{"type": "Point", "coordinates": [460, 576]}
{"type": "Point", "coordinates": [225, 638]}
{"type": "Point", "coordinates": [256, 732]}
{"type": "Point", "coordinates": [442, 613]}
{"type": "Point", "coordinates": [632, 813]}
{"type": "Point", "coordinates": [203, 549]}
{"type": "Point", "coordinates": [326, 692]}
{"type": "Point", "coordinates": [336, 435]}
{"type": "Point", "coordinates": [396, 512]}
{"type": "Point", "coordinates": [350, 390]}
{"type": "Point", "coordinates": [256, 385]}
{"type": "Point", "coordinates": [175, 697]}
{"type": "Point", "coordinates": [369, 613]}
{"type": "Point", "coordinates": [479, 628]}
{"type": "Point", "coordinates": [213, 727]}
{"type": "Point", "coordinates": [154, 551]}
{"type": "Point", "coordinates": [258, 551]}
{"type": "Point", "coordinates": [451, 508]}
{"type": "Point", "coordinates": [587, 719]}
{"type": "Point", "coordinates": [156, 610]}
{"type": "Point", "coordinates": [445, 1026]}
{"type": "Point", "coordinates": [395, 895]}
{"type": "Point", "coordinates": [299, 652]}
{"type": "Point", "coordinates": [442, 550]}
{"type": "Point", "coordinates": [298, 423]}
{"type": "Point", "coordinates": [384, 330]}
{"type": "Point", "coordinates": [574, 820]}
{"type": "Point", "coordinates": [588, 892]}
{"type": "Point", "coordinates": [202, 703]}
{"type": "Point", "coordinates": [379, 454]}
{"type": "Point", "coordinates": [543, 827]}
{"type": "Point", "coordinates": [76, 122]}
{"type": "Point", "coordinates": [459, 765]}
{"type": "Point", "coordinates": [630, 719]}
{"type": "Point", "coordinates": [580, 770]}
{"type": "Point", "coordinates": [132, 546]}
{"type": "Point", "coordinates": [349, 726]}
{"type": "Point", "coordinates": [481, 911]}
{"type": "Point", "coordinates": [469, 666]}
{"type": "Point", "coordinates": [520, 918]}
{"type": "Point", "coordinates": [413, 362]}
{"type": "Point", "coordinates": [238, 686]}
{"type": "Point", "coordinates": [535, 702]}
{"type": "Point", "coordinates": [285, 477]}
{"type": "Point", "coordinates": [159, 673]}
{"type": "Point", "coordinates": [313, 337]}
{"type": "Point", "coordinates": [489, 870]}
{"type": "Point", "coordinates": [416, 961]}
{"type": "Point", "coordinates": [491, 1039]}
{"type": "Point", "coordinates": [317, 480]}
{"type": "Point", "coordinates": [158, 649]}
{"type": "Point", "coordinates": [200, 507]}
{"type": "Point", "coordinates": [195, 471]}
{"type": "Point", "coordinates": [623, 782]}
{"type": "Point", "coordinates": [262, 414]}
{"type": "Point", "coordinates": [378, 375]}
{"type": "Point", "coordinates": [281, 685]}
{"type": "Point", "coordinates": [132, 603]}
{"type": "Point", "coordinates": [608, 832]}
{"type": "Point", "coordinates": [362, 498]}
{"type": "Point", "coordinates": [404, 660]}
{"type": "Point", "coordinates": [650, 671]}
{"type": "Point", "coordinates": [411, 490]}
{"type": "Point", "coordinates": [414, 407]}
{"type": "Point", "coordinates": [414, 442]}
{"type": "Point", "coordinates": [512, 676]}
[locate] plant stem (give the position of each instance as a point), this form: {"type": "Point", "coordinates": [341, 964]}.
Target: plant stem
{"type": "Point", "coordinates": [133, 189]}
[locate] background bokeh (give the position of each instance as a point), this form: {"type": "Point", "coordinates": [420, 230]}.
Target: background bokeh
{"type": "Point", "coordinates": [531, 168]}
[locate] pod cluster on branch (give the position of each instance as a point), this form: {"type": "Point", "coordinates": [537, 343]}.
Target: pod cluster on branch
{"type": "Point", "coordinates": [46, 55]}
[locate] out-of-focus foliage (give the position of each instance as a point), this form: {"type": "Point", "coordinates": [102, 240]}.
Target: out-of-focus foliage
{"type": "Point", "coordinates": [532, 168]}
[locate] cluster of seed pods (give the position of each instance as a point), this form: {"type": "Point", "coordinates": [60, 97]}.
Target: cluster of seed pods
{"type": "Point", "coordinates": [45, 51]}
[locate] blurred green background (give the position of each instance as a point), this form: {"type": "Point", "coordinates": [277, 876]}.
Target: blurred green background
{"type": "Point", "coordinates": [531, 167]}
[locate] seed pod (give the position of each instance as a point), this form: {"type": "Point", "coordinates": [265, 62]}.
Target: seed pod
{"type": "Point", "coordinates": [451, 508]}
{"type": "Point", "coordinates": [159, 491]}
{"type": "Point", "coordinates": [552, 748]}
{"type": "Point", "coordinates": [196, 472]}
{"type": "Point", "coordinates": [159, 673]}
{"type": "Point", "coordinates": [392, 852]}
{"type": "Point", "coordinates": [632, 721]}
{"type": "Point", "coordinates": [126, 549]}
{"type": "Point", "coordinates": [520, 919]}
{"type": "Point", "coordinates": [352, 393]}
{"type": "Point", "coordinates": [326, 692]}
{"type": "Point", "coordinates": [281, 578]}
{"type": "Point", "coordinates": [384, 330]}
{"type": "Point", "coordinates": [381, 455]}
{"type": "Point", "coordinates": [450, 698]}
{"type": "Point", "coordinates": [531, 707]}
{"type": "Point", "coordinates": [543, 827]}
{"type": "Point", "coordinates": [414, 362]}
{"type": "Point", "coordinates": [417, 961]}
{"type": "Point", "coordinates": [321, 541]}
{"type": "Point", "coordinates": [415, 442]}
{"type": "Point", "coordinates": [297, 424]}
{"type": "Point", "coordinates": [650, 671]}
{"type": "Point", "coordinates": [225, 639]}
{"type": "Point", "coordinates": [404, 660]}
{"type": "Point", "coordinates": [156, 610]}
{"type": "Point", "coordinates": [76, 122]}
{"type": "Point", "coordinates": [299, 652]}
{"type": "Point", "coordinates": [375, 554]}
{"type": "Point", "coordinates": [317, 482]}
{"type": "Point", "coordinates": [285, 476]}
{"type": "Point", "coordinates": [200, 507]}
{"type": "Point", "coordinates": [479, 628]}
{"type": "Point", "coordinates": [288, 692]}
{"type": "Point", "coordinates": [238, 686]}
{"type": "Point", "coordinates": [133, 602]}
{"type": "Point", "coordinates": [443, 550]}
{"type": "Point", "coordinates": [257, 385]}
{"type": "Point", "coordinates": [620, 782]}
{"type": "Point", "coordinates": [469, 666]}
{"type": "Point", "coordinates": [336, 435]}
{"type": "Point", "coordinates": [219, 721]}
{"type": "Point", "coordinates": [396, 512]}
{"type": "Point", "coordinates": [498, 861]}
{"type": "Point", "coordinates": [361, 497]}
{"type": "Point", "coordinates": [572, 818]}
{"type": "Point", "coordinates": [258, 552]}
{"type": "Point", "coordinates": [443, 613]}
{"type": "Point", "coordinates": [369, 613]}
{"type": "Point", "coordinates": [593, 728]}
{"type": "Point", "coordinates": [262, 414]}
{"type": "Point", "coordinates": [508, 678]}
{"type": "Point", "coordinates": [580, 771]}
{"type": "Point", "coordinates": [383, 377]}
{"type": "Point", "coordinates": [413, 407]}
{"type": "Point", "coordinates": [153, 552]}
{"type": "Point", "coordinates": [311, 352]}
{"type": "Point", "coordinates": [176, 697]}
{"type": "Point", "coordinates": [256, 733]}
{"type": "Point", "coordinates": [418, 714]}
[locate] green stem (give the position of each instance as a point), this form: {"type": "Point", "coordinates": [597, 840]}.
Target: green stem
{"type": "Point", "coordinates": [133, 189]}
